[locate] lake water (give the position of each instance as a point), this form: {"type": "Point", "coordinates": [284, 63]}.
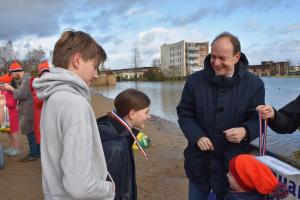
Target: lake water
{"type": "Point", "coordinates": [165, 96]}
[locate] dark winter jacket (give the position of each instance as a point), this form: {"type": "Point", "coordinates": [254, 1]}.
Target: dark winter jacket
{"type": "Point", "coordinates": [244, 196]}
{"type": "Point", "coordinates": [287, 119]}
{"type": "Point", "coordinates": [209, 105]}
{"type": "Point", "coordinates": [117, 147]}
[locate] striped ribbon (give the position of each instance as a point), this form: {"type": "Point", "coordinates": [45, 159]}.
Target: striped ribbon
{"type": "Point", "coordinates": [131, 133]}
{"type": "Point", "coordinates": [262, 135]}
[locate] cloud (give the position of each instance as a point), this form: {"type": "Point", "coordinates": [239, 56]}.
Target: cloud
{"type": "Point", "coordinates": [252, 24]}
{"type": "Point", "coordinates": [198, 15]}
{"type": "Point", "coordinates": [19, 18]}
{"type": "Point", "coordinates": [44, 18]}
{"type": "Point", "coordinates": [149, 41]}
{"type": "Point", "coordinates": [105, 39]}
{"type": "Point", "coordinates": [289, 29]}
{"type": "Point", "coordinates": [26, 43]}
{"type": "Point", "coordinates": [277, 51]}
{"type": "Point", "coordinates": [213, 9]}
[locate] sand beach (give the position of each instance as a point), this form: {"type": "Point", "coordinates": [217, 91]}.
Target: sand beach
{"type": "Point", "coordinates": [160, 177]}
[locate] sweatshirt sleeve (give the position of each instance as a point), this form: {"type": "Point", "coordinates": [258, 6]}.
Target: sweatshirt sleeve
{"type": "Point", "coordinates": [287, 119]}
{"type": "Point", "coordinates": [23, 92]}
{"type": "Point", "coordinates": [79, 177]}
{"type": "Point", "coordinates": [186, 111]}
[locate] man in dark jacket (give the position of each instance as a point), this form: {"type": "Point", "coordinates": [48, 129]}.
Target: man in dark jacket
{"type": "Point", "coordinates": [286, 119]}
{"type": "Point", "coordinates": [218, 117]}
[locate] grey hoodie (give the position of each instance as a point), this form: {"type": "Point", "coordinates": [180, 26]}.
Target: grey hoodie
{"type": "Point", "coordinates": [73, 162]}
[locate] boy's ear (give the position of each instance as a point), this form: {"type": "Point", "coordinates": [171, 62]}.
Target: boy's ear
{"type": "Point", "coordinates": [75, 60]}
{"type": "Point", "coordinates": [131, 114]}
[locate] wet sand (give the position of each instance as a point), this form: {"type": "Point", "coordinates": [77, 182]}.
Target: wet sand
{"type": "Point", "coordinates": [160, 177]}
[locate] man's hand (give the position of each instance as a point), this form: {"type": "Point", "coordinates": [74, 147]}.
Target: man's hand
{"type": "Point", "coordinates": [6, 86]}
{"type": "Point", "coordinates": [205, 144]}
{"type": "Point", "coordinates": [266, 111]}
{"type": "Point", "coordinates": [235, 135]}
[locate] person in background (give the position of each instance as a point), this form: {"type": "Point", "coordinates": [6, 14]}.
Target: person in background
{"type": "Point", "coordinates": [25, 108]}
{"type": "Point", "coordinates": [132, 107]}
{"type": "Point", "coordinates": [251, 179]}
{"type": "Point", "coordinates": [11, 105]}
{"type": "Point", "coordinates": [217, 115]}
{"type": "Point", "coordinates": [285, 120]}
{"type": "Point", "coordinates": [2, 104]}
{"type": "Point", "coordinates": [73, 162]}
{"type": "Point", "coordinates": [43, 68]}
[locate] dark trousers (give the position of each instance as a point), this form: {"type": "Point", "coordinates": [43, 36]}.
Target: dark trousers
{"type": "Point", "coordinates": [34, 148]}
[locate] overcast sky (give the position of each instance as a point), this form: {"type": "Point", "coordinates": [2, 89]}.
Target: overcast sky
{"type": "Point", "coordinates": [267, 29]}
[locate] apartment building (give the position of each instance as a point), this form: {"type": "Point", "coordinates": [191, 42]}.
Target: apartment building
{"type": "Point", "coordinates": [270, 68]}
{"type": "Point", "coordinates": [183, 58]}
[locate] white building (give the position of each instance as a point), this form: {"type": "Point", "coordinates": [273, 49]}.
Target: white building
{"type": "Point", "coordinates": [183, 58]}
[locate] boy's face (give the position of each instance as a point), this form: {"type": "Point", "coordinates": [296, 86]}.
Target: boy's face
{"type": "Point", "coordinates": [234, 186]}
{"type": "Point", "coordinates": [139, 117]}
{"type": "Point", "coordinates": [87, 71]}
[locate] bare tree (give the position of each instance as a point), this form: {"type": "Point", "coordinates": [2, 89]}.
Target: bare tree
{"type": "Point", "coordinates": [7, 54]}
{"type": "Point", "coordinates": [155, 62]}
{"type": "Point", "coordinates": [136, 59]}
{"type": "Point", "coordinates": [33, 58]}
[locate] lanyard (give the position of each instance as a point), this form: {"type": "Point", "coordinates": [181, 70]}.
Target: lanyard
{"type": "Point", "coordinates": [263, 123]}
{"type": "Point", "coordinates": [130, 131]}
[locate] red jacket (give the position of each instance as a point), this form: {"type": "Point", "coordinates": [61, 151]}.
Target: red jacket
{"type": "Point", "coordinates": [12, 110]}
{"type": "Point", "coordinates": [37, 108]}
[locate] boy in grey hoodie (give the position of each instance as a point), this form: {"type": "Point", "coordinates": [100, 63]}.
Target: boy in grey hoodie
{"type": "Point", "coordinates": [73, 163]}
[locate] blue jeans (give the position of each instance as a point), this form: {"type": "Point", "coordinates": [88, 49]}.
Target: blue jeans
{"type": "Point", "coordinates": [195, 193]}
{"type": "Point", "coordinates": [34, 148]}
{"type": "Point", "coordinates": [1, 157]}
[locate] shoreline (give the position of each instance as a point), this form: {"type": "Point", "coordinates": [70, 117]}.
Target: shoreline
{"type": "Point", "coordinates": [162, 176]}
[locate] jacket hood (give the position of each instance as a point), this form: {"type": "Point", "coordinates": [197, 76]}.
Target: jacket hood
{"type": "Point", "coordinates": [60, 79]}
{"type": "Point", "coordinates": [239, 71]}
{"type": "Point", "coordinates": [111, 129]}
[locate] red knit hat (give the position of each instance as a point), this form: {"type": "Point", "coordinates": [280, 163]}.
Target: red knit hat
{"type": "Point", "coordinates": [15, 67]}
{"type": "Point", "coordinates": [6, 78]}
{"type": "Point", "coordinates": [251, 174]}
{"type": "Point", "coordinates": [43, 67]}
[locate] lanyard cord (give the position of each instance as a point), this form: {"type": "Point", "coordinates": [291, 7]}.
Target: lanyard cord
{"type": "Point", "coordinates": [262, 135]}
{"type": "Point", "coordinates": [130, 131]}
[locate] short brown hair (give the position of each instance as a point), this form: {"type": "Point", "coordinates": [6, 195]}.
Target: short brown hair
{"type": "Point", "coordinates": [130, 99]}
{"type": "Point", "coordinates": [232, 38]}
{"type": "Point", "coordinates": [72, 42]}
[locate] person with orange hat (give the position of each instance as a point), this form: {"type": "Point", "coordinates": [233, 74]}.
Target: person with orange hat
{"type": "Point", "coordinates": [250, 179]}
{"type": "Point", "coordinates": [43, 68]}
{"type": "Point", "coordinates": [2, 104]}
{"type": "Point", "coordinates": [25, 108]}
{"type": "Point", "coordinates": [11, 105]}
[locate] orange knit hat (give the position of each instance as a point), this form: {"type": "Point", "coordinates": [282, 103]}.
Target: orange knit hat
{"type": "Point", "coordinates": [43, 67]}
{"type": "Point", "coordinates": [6, 78]}
{"type": "Point", "coordinates": [251, 174]}
{"type": "Point", "coordinates": [15, 67]}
